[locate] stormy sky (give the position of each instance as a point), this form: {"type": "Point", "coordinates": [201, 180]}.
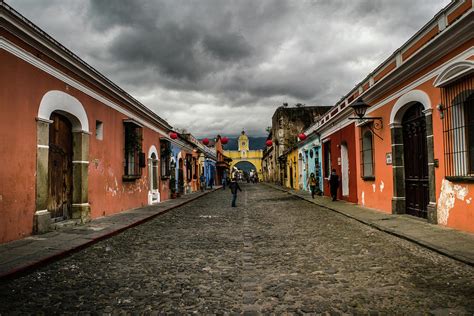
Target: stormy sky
{"type": "Point", "coordinates": [220, 66]}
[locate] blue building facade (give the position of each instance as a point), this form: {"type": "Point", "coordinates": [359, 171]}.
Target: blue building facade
{"type": "Point", "coordinates": [210, 171]}
{"type": "Point", "coordinates": [309, 161]}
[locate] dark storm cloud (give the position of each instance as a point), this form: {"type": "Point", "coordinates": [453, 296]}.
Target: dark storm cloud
{"type": "Point", "coordinates": [230, 63]}
{"type": "Point", "coordinates": [227, 46]}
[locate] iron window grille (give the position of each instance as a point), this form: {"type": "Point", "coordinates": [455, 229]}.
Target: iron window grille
{"type": "Point", "coordinates": [134, 159]}
{"type": "Point", "coordinates": [367, 160]}
{"type": "Point", "coordinates": [457, 113]}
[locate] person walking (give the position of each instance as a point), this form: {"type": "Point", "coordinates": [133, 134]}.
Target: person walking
{"type": "Point", "coordinates": [312, 184]}
{"type": "Point", "coordinates": [211, 182]}
{"type": "Point", "coordinates": [234, 186]}
{"type": "Point", "coordinates": [334, 184]}
{"type": "Point", "coordinates": [202, 179]}
{"type": "Point", "coordinates": [224, 180]}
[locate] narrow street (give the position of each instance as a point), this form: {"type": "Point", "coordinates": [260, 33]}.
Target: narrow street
{"type": "Point", "coordinates": [273, 253]}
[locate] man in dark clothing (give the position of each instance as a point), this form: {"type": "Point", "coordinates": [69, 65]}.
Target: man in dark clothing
{"type": "Point", "coordinates": [202, 180]}
{"type": "Point", "coordinates": [334, 184]}
{"type": "Point", "coordinates": [234, 186]}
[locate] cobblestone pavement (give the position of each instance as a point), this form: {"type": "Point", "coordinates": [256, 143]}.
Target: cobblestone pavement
{"type": "Point", "coordinates": [274, 253]}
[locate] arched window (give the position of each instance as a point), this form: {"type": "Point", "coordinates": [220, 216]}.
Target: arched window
{"type": "Point", "coordinates": [367, 159]}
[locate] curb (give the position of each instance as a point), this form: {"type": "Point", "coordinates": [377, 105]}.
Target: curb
{"type": "Point", "coordinates": [28, 268]}
{"type": "Point", "coordinates": [426, 245]}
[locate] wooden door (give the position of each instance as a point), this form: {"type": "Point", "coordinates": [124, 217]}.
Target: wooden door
{"type": "Point", "coordinates": [416, 161]}
{"type": "Point", "coordinates": [291, 177]}
{"type": "Point", "coordinates": [345, 170]}
{"type": "Point", "coordinates": [60, 168]}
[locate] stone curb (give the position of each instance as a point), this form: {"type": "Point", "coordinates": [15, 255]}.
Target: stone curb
{"type": "Point", "coordinates": [423, 243]}
{"type": "Point", "coordinates": [27, 268]}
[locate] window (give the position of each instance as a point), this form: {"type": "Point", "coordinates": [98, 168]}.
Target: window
{"type": "Point", "coordinates": [327, 159]}
{"type": "Point", "coordinates": [99, 130]}
{"type": "Point", "coordinates": [189, 167]}
{"type": "Point", "coordinates": [154, 172]}
{"type": "Point", "coordinates": [458, 129]}
{"type": "Point", "coordinates": [367, 154]}
{"type": "Point", "coordinates": [134, 158]}
{"type": "Point", "coordinates": [165, 151]}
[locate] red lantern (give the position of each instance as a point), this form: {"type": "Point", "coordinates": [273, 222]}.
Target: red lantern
{"type": "Point", "coordinates": [269, 142]}
{"type": "Point", "coordinates": [205, 141]}
{"type": "Point", "coordinates": [173, 135]}
{"type": "Point", "coordinates": [302, 136]}
{"type": "Point", "coordinates": [224, 140]}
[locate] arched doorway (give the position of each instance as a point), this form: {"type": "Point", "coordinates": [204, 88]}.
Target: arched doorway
{"type": "Point", "coordinates": [60, 184]}
{"type": "Point", "coordinates": [413, 166]}
{"type": "Point", "coordinates": [153, 167]}
{"type": "Point", "coordinates": [62, 161]}
{"type": "Point", "coordinates": [180, 176]}
{"type": "Point", "coordinates": [416, 161]}
{"type": "Point", "coordinates": [245, 166]}
{"type": "Point", "coordinates": [344, 169]}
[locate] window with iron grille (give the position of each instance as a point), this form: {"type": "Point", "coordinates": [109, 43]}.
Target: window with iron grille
{"type": "Point", "coordinates": [367, 154]}
{"type": "Point", "coordinates": [134, 159]}
{"type": "Point", "coordinates": [458, 129]}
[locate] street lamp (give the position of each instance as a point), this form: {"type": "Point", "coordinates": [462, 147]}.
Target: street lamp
{"type": "Point", "coordinates": [360, 108]}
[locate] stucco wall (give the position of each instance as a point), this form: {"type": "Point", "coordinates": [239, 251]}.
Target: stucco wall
{"type": "Point", "coordinates": [24, 85]}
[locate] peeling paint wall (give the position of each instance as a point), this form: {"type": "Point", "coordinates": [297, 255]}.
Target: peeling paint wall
{"type": "Point", "coordinates": [451, 196]}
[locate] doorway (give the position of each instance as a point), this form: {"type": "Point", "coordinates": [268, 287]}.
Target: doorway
{"type": "Point", "coordinates": [344, 169]}
{"type": "Point", "coordinates": [416, 161]}
{"type": "Point", "coordinates": [60, 168]}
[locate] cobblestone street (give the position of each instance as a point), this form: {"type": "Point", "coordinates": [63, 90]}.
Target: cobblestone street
{"type": "Point", "coordinates": [273, 253]}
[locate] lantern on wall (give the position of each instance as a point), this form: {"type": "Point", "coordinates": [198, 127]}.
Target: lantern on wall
{"type": "Point", "coordinates": [224, 140]}
{"type": "Point", "coordinates": [269, 143]}
{"type": "Point", "coordinates": [205, 141]}
{"type": "Point", "coordinates": [173, 135]}
{"type": "Point", "coordinates": [302, 136]}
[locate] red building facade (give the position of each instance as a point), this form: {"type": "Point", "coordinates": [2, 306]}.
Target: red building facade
{"type": "Point", "coordinates": [74, 145]}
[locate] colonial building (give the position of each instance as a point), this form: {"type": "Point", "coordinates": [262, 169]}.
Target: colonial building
{"type": "Point", "coordinates": [244, 158]}
{"type": "Point", "coordinates": [75, 146]}
{"type": "Point", "coordinates": [287, 123]}
{"type": "Point", "coordinates": [411, 150]}
{"type": "Point", "coordinates": [309, 162]}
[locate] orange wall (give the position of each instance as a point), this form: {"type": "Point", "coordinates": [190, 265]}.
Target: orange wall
{"type": "Point", "coordinates": [24, 86]}
{"type": "Point", "coordinates": [377, 193]}
{"type": "Point", "coordinates": [17, 151]}
{"type": "Point", "coordinates": [461, 215]}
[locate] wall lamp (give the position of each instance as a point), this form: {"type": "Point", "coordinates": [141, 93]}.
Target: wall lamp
{"type": "Point", "coordinates": [440, 109]}
{"type": "Point", "coordinates": [360, 107]}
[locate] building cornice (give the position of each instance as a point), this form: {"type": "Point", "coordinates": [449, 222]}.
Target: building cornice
{"type": "Point", "coordinates": [25, 30]}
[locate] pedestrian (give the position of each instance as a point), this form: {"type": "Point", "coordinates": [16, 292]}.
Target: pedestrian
{"type": "Point", "coordinates": [333, 184]}
{"type": "Point", "coordinates": [312, 184]}
{"type": "Point", "coordinates": [234, 186]}
{"type": "Point", "coordinates": [202, 179]}
{"type": "Point", "coordinates": [211, 182]}
{"type": "Point", "coordinates": [223, 182]}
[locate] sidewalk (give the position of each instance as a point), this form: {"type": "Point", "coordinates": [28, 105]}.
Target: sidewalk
{"type": "Point", "coordinates": [455, 244]}
{"type": "Point", "coordinates": [25, 254]}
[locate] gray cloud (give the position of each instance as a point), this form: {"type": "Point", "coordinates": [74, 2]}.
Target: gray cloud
{"type": "Point", "coordinates": [231, 63]}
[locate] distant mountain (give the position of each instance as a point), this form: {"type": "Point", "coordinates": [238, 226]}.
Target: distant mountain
{"type": "Point", "coordinates": [255, 143]}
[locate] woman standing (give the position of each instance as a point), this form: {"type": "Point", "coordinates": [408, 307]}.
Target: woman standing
{"type": "Point", "coordinates": [312, 184]}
